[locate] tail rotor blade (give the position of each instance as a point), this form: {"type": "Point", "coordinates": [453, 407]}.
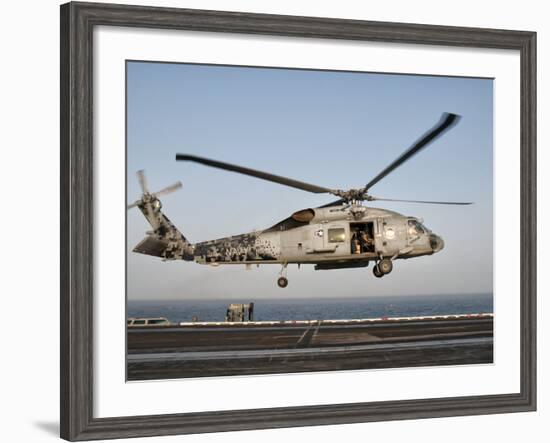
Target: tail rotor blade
{"type": "Point", "coordinates": [169, 189]}
{"type": "Point", "coordinates": [142, 181]}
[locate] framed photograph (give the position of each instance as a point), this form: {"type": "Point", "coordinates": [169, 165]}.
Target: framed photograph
{"type": "Point", "coordinates": [262, 213]}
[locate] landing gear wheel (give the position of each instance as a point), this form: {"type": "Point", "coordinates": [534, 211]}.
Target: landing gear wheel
{"type": "Point", "coordinates": [385, 266]}
{"type": "Point", "coordinates": [376, 271]}
{"type": "Point", "coordinates": [282, 282]}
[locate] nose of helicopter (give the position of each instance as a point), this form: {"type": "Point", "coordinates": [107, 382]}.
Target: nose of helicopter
{"type": "Point", "coordinates": [436, 242]}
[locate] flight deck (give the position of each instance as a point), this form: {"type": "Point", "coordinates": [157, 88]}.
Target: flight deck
{"type": "Point", "coordinates": [203, 349]}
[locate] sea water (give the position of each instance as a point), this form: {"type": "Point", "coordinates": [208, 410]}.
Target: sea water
{"type": "Point", "coordinates": [316, 308]}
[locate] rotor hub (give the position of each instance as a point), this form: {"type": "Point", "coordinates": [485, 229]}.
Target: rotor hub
{"type": "Point", "coordinates": [353, 195]}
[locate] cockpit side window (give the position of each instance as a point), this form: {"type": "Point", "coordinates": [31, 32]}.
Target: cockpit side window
{"type": "Point", "coordinates": [415, 228]}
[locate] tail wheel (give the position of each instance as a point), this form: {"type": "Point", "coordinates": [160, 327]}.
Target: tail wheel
{"type": "Point", "coordinates": [376, 271]}
{"type": "Point", "coordinates": [385, 266]}
{"type": "Point", "coordinates": [282, 282]}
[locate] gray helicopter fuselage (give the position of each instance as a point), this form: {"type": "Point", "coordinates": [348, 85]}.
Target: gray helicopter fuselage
{"type": "Point", "coordinates": [326, 237]}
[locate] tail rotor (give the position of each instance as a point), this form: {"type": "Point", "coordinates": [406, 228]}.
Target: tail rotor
{"type": "Point", "coordinates": [149, 203]}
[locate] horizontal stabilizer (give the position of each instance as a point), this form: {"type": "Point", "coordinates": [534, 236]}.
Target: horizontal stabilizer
{"type": "Point", "coordinates": [151, 245]}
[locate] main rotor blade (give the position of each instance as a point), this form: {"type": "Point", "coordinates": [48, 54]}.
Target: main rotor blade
{"type": "Point", "coordinates": [254, 173]}
{"type": "Point", "coordinates": [133, 205]}
{"type": "Point", "coordinates": [371, 198]}
{"type": "Point", "coordinates": [142, 181]}
{"type": "Point", "coordinates": [447, 122]}
{"type": "Point", "coordinates": [169, 189]}
{"type": "Point", "coordinates": [334, 203]}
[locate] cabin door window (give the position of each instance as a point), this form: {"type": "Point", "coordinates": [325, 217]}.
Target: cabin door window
{"type": "Point", "coordinates": [336, 235]}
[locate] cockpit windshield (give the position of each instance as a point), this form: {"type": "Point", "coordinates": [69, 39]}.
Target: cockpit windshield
{"type": "Point", "coordinates": [416, 228]}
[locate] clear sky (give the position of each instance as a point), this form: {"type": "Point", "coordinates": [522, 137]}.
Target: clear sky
{"type": "Point", "coordinates": [334, 129]}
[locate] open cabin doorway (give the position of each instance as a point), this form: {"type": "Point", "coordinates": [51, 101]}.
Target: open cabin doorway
{"type": "Point", "coordinates": [362, 237]}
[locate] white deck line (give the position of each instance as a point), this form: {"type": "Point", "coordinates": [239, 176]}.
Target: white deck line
{"type": "Point", "coordinates": [354, 320]}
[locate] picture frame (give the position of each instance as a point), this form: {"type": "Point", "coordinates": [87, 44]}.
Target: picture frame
{"type": "Point", "coordinates": [78, 21]}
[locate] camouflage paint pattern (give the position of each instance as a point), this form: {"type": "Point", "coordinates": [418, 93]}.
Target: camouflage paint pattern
{"type": "Point", "coordinates": [253, 246]}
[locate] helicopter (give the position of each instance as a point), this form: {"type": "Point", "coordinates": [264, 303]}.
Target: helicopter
{"type": "Point", "coordinates": [341, 234]}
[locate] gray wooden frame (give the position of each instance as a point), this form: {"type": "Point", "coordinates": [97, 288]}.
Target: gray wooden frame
{"type": "Point", "coordinates": [77, 24]}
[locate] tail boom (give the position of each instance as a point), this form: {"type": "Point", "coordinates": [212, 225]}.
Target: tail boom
{"type": "Point", "coordinates": [165, 241]}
